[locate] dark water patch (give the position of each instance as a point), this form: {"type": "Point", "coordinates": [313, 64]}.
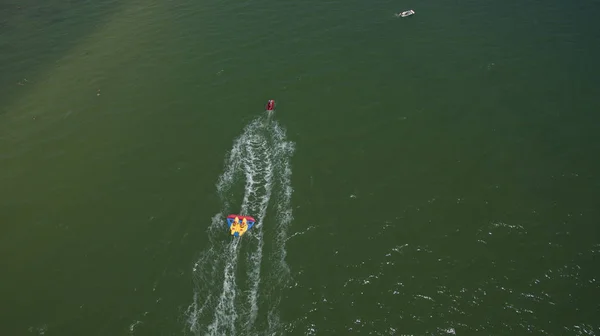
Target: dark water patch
{"type": "Point", "coordinates": [35, 35]}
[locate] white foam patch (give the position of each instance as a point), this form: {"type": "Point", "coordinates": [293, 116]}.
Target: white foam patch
{"type": "Point", "coordinates": [261, 155]}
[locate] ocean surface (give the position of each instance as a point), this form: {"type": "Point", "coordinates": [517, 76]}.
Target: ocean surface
{"type": "Point", "coordinates": [431, 175]}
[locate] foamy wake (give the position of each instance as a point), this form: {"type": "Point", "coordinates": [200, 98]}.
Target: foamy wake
{"type": "Point", "coordinates": [224, 304]}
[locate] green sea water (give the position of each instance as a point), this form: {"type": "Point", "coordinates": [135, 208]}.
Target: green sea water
{"type": "Point", "coordinates": [430, 175]}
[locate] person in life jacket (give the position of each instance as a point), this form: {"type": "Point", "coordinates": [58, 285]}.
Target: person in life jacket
{"type": "Point", "coordinates": [270, 105]}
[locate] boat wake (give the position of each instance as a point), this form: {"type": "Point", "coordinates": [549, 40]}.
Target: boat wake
{"type": "Point", "coordinates": [230, 292]}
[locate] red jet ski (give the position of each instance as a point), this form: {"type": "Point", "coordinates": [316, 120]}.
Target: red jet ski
{"type": "Point", "coordinates": [270, 105]}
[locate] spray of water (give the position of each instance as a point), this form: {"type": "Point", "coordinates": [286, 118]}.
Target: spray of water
{"type": "Point", "coordinates": [223, 303]}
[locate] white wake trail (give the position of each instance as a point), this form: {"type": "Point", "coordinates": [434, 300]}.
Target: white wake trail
{"type": "Point", "coordinates": [255, 257]}
{"type": "Point", "coordinates": [261, 155]}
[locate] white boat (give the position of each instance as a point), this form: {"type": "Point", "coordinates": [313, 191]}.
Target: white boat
{"type": "Point", "coordinates": [406, 13]}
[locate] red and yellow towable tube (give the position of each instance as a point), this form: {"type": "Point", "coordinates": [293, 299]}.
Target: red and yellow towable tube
{"type": "Point", "coordinates": [239, 224]}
